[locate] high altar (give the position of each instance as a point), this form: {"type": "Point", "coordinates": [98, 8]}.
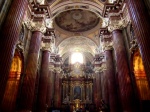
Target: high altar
{"type": "Point", "coordinates": [77, 86]}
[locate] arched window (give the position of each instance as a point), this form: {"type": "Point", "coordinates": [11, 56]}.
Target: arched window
{"type": "Point", "coordinates": [76, 57]}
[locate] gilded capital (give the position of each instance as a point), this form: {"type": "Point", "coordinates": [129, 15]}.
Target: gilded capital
{"type": "Point", "coordinates": [117, 24]}
{"type": "Point", "coordinates": [58, 69]}
{"type": "Point", "coordinates": [46, 46]}
{"type": "Point", "coordinates": [52, 68]}
{"type": "Point", "coordinates": [107, 45]}
{"type": "Point", "coordinates": [134, 45]}
{"type": "Point", "coordinates": [35, 26]}
{"type": "Point", "coordinates": [101, 68]}
{"type": "Point", "coordinates": [49, 23]}
{"type": "Point", "coordinates": [97, 69]}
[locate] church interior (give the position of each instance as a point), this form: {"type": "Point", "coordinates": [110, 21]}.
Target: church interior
{"type": "Point", "coordinates": [74, 56]}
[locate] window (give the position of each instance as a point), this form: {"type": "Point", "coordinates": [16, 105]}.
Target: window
{"type": "Point", "coordinates": [76, 57]}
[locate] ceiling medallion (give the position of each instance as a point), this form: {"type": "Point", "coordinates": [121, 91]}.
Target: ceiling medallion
{"type": "Point", "coordinates": [77, 15]}
{"type": "Point", "coordinates": [77, 20]}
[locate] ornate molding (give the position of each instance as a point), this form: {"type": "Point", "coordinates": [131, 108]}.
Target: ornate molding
{"type": "Point", "coordinates": [52, 68]}
{"type": "Point", "coordinates": [134, 45]}
{"type": "Point", "coordinates": [119, 20]}
{"type": "Point", "coordinates": [20, 46]}
{"type": "Point", "coordinates": [107, 45]}
{"type": "Point", "coordinates": [58, 69]}
{"type": "Point", "coordinates": [101, 68]}
{"type": "Point", "coordinates": [113, 7]}
{"type": "Point", "coordinates": [98, 50]}
{"type": "Point", "coordinates": [46, 46]}
{"type": "Point", "coordinates": [96, 69]}
{"type": "Point", "coordinates": [117, 24]}
{"type": "Point", "coordinates": [35, 26]}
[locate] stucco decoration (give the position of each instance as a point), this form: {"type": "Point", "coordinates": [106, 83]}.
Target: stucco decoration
{"type": "Point", "coordinates": [77, 43]}
{"type": "Point", "coordinates": [77, 20]}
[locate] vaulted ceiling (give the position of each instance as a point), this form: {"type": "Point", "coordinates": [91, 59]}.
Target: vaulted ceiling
{"type": "Point", "coordinates": [77, 24]}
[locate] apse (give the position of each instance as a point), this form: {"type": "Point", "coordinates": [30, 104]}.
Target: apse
{"type": "Point", "coordinates": [76, 57]}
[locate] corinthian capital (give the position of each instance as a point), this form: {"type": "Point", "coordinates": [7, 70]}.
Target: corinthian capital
{"type": "Point", "coordinates": [117, 24]}
{"type": "Point", "coordinates": [101, 68]}
{"type": "Point", "coordinates": [52, 68]}
{"type": "Point", "coordinates": [58, 70]}
{"type": "Point", "coordinates": [49, 23]}
{"type": "Point", "coordinates": [107, 45]}
{"type": "Point", "coordinates": [46, 46]}
{"type": "Point", "coordinates": [35, 26]}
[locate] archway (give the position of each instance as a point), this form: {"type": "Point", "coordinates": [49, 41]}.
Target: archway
{"type": "Point", "coordinates": [140, 77]}
{"type": "Point", "coordinates": [141, 81]}
{"type": "Point", "coordinates": [11, 90]}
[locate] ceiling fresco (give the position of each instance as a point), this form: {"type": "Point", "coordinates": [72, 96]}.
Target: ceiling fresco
{"type": "Point", "coordinates": [77, 20]}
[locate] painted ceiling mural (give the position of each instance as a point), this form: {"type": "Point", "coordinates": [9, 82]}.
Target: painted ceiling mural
{"type": "Point", "coordinates": [77, 20]}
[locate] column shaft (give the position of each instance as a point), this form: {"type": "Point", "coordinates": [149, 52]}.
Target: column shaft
{"type": "Point", "coordinates": [9, 36]}
{"type": "Point", "coordinates": [95, 92]}
{"type": "Point", "coordinates": [43, 81]}
{"type": "Point", "coordinates": [125, 86]}
{"type": "Point", "coordinates": [112, 87]}
{"type": "Point", "coordinates": [104, 86]}
{"type": "Point", "coordinates": [50, 89]}
{"type": "Point", "coordinates": [57, 94]}
{"type": "Point", "coordinates": [98, 89]}
{"type": "Point", "coordinates": [141, 24]}
{"type": "Point", "coordinates": [28, 86]}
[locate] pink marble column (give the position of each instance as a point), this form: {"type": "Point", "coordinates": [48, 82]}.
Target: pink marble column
{"type": "Point", "coordinates": [50, 90]}
{"type": "Point", "coordinates": [95, 92]}
{"type": "Point", "coordinates": [50, 87]}
{"type": "Point", "coordinates": [97, 82]}
{"type": "Point", "coordinates": [98, 89]}
{"type": "Point", "coordinates": [28, 86]}
{"type": "Point", "coordinates": [125, 85]}
{"type": "Point", "coordinates": [43, 81]}
{"type": "Point", "coordinates": [57, 92]}
{"type": "Point", "coordinates": [8, 40]}
{"type": "Point", "coordinates": [104, 87]}
{"type": "Point", "coordinates": [112, 87]}
{"type": "Point", "coordinates": [141, 25]}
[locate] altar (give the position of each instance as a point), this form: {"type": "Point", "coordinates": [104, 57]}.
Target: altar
{"type": "Point", "coordinates": [77, 88]}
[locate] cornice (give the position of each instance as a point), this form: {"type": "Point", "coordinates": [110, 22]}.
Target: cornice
{"type": "Point", "coordinates": [38, 8]}
{"type": "Point", "coordinates": [115, 7]}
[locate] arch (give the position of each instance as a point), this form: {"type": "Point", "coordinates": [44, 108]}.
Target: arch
{"type": "Point", "coordinates": [77, 43]}
{"type": "Point", "coordinates": [140, 76]}
{"type": "Point", "coordinates": [86, 5]}
{"type": "Point", "coordinates": [81, 43]}
{"type": "Point", "coordinates": [12, 86]}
